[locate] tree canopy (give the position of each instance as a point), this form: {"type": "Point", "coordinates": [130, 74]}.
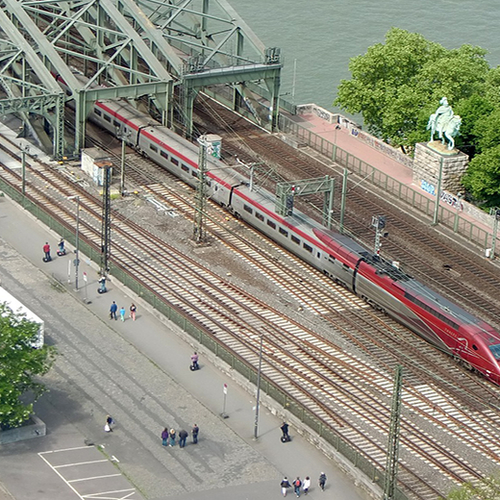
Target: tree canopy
{"type": "Point", "coordinates": [20, 364]}
{"type": "Point", "coordinates": [398, 84]}
{"type": "Point", "coordinates": [486, 489]}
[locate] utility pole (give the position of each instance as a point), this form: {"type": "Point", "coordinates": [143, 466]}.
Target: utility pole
{"type": "Point", "coordinates": [257, 403]}
{"type": "Point", "coordinates": [106, 222]}
{"type": "Point", "coordinates": [438, 194]}
{"type": "Point", "coordinates": [343, 199]}
{"type": "Point", "coordinates": [77, 238]}
{"type": "Point", "coordinates": [378, 222]}
{"type": "Point", "coordinates": [391, 466]}
{"type": "Point", "coordinates": [121, 134]}
{"type": "Point", "coordinates": [200, 197]}
{"type": "Point", "coordinates": [24, 149]}
{"type": "Point", "coordinates": [495, 212]}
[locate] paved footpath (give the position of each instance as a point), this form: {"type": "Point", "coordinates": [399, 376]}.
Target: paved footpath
{"type": "Point", "coordinates": [342, 137]}
{"type": "Point", "coordinates": [138, 372]}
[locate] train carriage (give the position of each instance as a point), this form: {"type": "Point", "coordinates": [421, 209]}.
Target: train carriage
{"type": "Point", "coordinates": [430, 315]}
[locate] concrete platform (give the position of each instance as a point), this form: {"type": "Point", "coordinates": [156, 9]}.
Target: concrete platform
{"type": "Point", "coordinates": [138, 372]}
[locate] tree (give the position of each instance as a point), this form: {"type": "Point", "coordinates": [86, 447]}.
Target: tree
{"type": "Point", "coordinates": [20, 363]}
{"type": "Point", "coordinates": [397, 85]}
{"type": "Point", "coordinates": [482, 178]}
{"type": "Point", "coordinates": [486, 489]}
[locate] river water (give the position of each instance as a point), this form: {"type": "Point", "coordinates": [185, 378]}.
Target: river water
{"type": "Point", "coordinates": [320, 36]}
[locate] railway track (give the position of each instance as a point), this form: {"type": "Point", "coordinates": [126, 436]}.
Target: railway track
{"type": "Point", "coordinates": [350, 393]}
{"type": "Point", "coordinates": [450, 269]}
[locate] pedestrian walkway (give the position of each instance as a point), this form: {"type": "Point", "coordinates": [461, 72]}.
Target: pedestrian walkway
{"type": "Point", "coordinates": [138, 372]}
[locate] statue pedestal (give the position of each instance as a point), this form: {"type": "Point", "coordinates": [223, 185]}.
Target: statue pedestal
{"type": "Point", "coordinates": [427, 162]}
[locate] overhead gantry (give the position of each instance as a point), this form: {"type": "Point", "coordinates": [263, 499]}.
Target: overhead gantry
{"type": "Point", "coordinates": [156, 53]}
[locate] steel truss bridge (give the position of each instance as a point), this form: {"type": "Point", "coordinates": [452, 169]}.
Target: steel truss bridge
{"type": "Point", "coordinates": [158, 54]}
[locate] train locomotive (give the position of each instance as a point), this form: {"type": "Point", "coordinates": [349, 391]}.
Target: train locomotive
{"type": "Point", "coordinates": [377, 281]}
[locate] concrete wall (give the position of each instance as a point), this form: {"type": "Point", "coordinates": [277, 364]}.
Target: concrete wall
{"type": "Point", "coordinates": [35, 428]}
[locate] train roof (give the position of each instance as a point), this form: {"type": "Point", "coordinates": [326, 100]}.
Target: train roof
{"type": "Point", "coordinates": [404, 281]}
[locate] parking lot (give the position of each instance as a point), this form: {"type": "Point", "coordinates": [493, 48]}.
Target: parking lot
{"type": "Point", "coordinates": [89, 473]}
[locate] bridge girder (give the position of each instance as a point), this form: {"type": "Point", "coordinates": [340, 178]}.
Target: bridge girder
{"type": "Point", "coordinates": [137, 48]}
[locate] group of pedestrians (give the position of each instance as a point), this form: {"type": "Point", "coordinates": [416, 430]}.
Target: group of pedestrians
{"type": "Point", "coordinates": [168, 436]}
{"type": "Point", "coordinates": [299, 485]}
{"type": "Point", "coordinates": [114, 309]}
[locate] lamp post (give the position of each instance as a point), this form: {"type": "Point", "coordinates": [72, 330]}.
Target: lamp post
{"type": "Point", "coordinates": [77, 237]}
{"type": "Point", "coordinates": [256, 426]}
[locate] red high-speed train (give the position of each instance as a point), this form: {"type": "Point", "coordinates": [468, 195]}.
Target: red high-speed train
{"type": "Point", "coordinates": [430, 315]}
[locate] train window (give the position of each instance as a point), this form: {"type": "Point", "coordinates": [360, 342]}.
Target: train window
{"type": "Point", "coordinates": [153, 148]}
{"type": "Point", "coordinates": [259, 216]}
{"type": "Point", "coordinates": [271, 224]}
{"type": "Point", "coordinates": [331, 258]}
{"type": "Point", "coordinates": [346, 267]}
{"type": "Point", "coordinates": [309, 248]}
{"type": "Point", "coordinates": [284, 232]}
{"type": "Point", "coordinates": [97, 112]}
{"type": "Point", "coordinates": [116, 123]}
{"type": "Point", "coordinates": [248, 209]}
{"type": "Point", "coordinates": [184, 167]}
{"type": "Point", "coordinates": [175, 161]}
{"type": "Point", "coordinates": [208, 183]}
{"type": "Point", "coordinates": [165, 155]}
{"type": "Point", "coordinates": [194, 173]}
{"type": "Point", "coordinates": [295, 239]}
{"type": "Point", "coordinates": [107, 118]}
{"type": "Point", "coordinates": [474, 346]}
{"type": "Point", "coordinates": [495, 350]}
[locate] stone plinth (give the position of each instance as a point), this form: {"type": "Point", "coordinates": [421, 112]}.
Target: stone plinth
{"type": "Point", "coordinates": [428, 158]}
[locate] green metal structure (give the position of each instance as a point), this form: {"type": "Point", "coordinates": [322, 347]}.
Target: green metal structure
{"type": "Point", "coordinates": [158, 54]}
{"type": "Point", "coordinates": [286, 192]}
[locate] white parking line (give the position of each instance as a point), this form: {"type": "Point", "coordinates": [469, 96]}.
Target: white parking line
{"type": "Point", "coordinates": [60, 475]}
{"type": "Point", "coordinates": [93, 477]}
{"type": "Point", "coordinates": [122, 494]}
{"type": "Point", "coordinates": [99, 495]}
{"type": "Point", "coordinates": [74, 464]}
{"type": "Point", "coordinates": [67, 449]}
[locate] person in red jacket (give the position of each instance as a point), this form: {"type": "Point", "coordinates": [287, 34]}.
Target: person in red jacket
{"type": "Point", "coordinates": [46, 250]}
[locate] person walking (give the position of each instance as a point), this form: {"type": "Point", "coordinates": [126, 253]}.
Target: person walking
{"type": "Point", "coordinates": [46, 251]}
{"type": "Point", "coordinates": [284, 430]}
{"type": "Point", "coordinates": [194, 362]}
{"type": "Point", "coordinates": [133, 309]}
{"type": "Point", "coordinates": [296, 486]}
{"type": "Point", "coordinates": [109, 420]}
{"type": "Point", "coordinates": [171, 435]}
{"type": "Point", "coordinates": [306, 485]}
{"type": "Point", "coordinates": [285, 484]}
{"type": "Point", "coordinates": [112, 310]}
{"type": "Point", "coordinates": [107, 425]}
{"type": "Point", "coordinates": [164, 437]}
{"type": "Point", "coordinates": [322, 481]}
{"type": "Point", "coordinates": [182, 438]}
{"type": "Point", "coordinates": [122, 313]}
{"type": "Point", "coordinates": [194, 433]}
